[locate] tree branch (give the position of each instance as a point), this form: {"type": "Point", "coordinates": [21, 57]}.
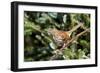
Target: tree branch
{"type": "Point", "coordinates": [56, 52]}
{"type": "Point", "coordinates": [78, 35]}
{"type": "Point", "coordinates": [79, 24]}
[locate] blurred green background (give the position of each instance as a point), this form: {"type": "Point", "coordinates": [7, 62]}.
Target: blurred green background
{"type": "Point", "coordinates": [39, 46]}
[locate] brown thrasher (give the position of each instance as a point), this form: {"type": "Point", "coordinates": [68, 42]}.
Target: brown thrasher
{"type": "Point", "coordinates": [62, 37]}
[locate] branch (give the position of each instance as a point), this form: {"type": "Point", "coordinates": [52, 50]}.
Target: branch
{"type": "Point", "coordinates": [78, 35]}
{"type": "Point", "coordinates": [56, 52]}
{"type": "Point", "coordinates": [75, 27]}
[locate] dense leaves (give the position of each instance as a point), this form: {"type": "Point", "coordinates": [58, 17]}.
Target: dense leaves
{"type": "Point", "coordinates": [39, 45]}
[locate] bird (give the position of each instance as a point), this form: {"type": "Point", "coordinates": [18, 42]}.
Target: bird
{"type": "Point", "coordinates": [61, 37]}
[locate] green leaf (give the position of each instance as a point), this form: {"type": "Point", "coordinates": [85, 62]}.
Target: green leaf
{"type": "Point", "coordinates": [68, 54]}
{"type": "Point", "coordinates": [85, 44]}
{"type": "Point", "coordinates": [52, 45]}
{"type": "Point", "coordinates": [53, 15]}
{"type": "Point", "coordinates": [27, 32]}
{"type": "Point", "coordinates": [80, 54]}
{"type": "Point", "coordinates": [41, 20]}
{"type": "Point", "coordinates": [65, 18]}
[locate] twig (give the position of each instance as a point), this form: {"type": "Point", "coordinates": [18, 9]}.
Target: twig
{"type": "Point", "coordinates": [76, 27]}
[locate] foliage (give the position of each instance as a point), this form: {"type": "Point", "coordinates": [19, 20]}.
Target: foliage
{"type": "Point", "coordinates": [39, 45]}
